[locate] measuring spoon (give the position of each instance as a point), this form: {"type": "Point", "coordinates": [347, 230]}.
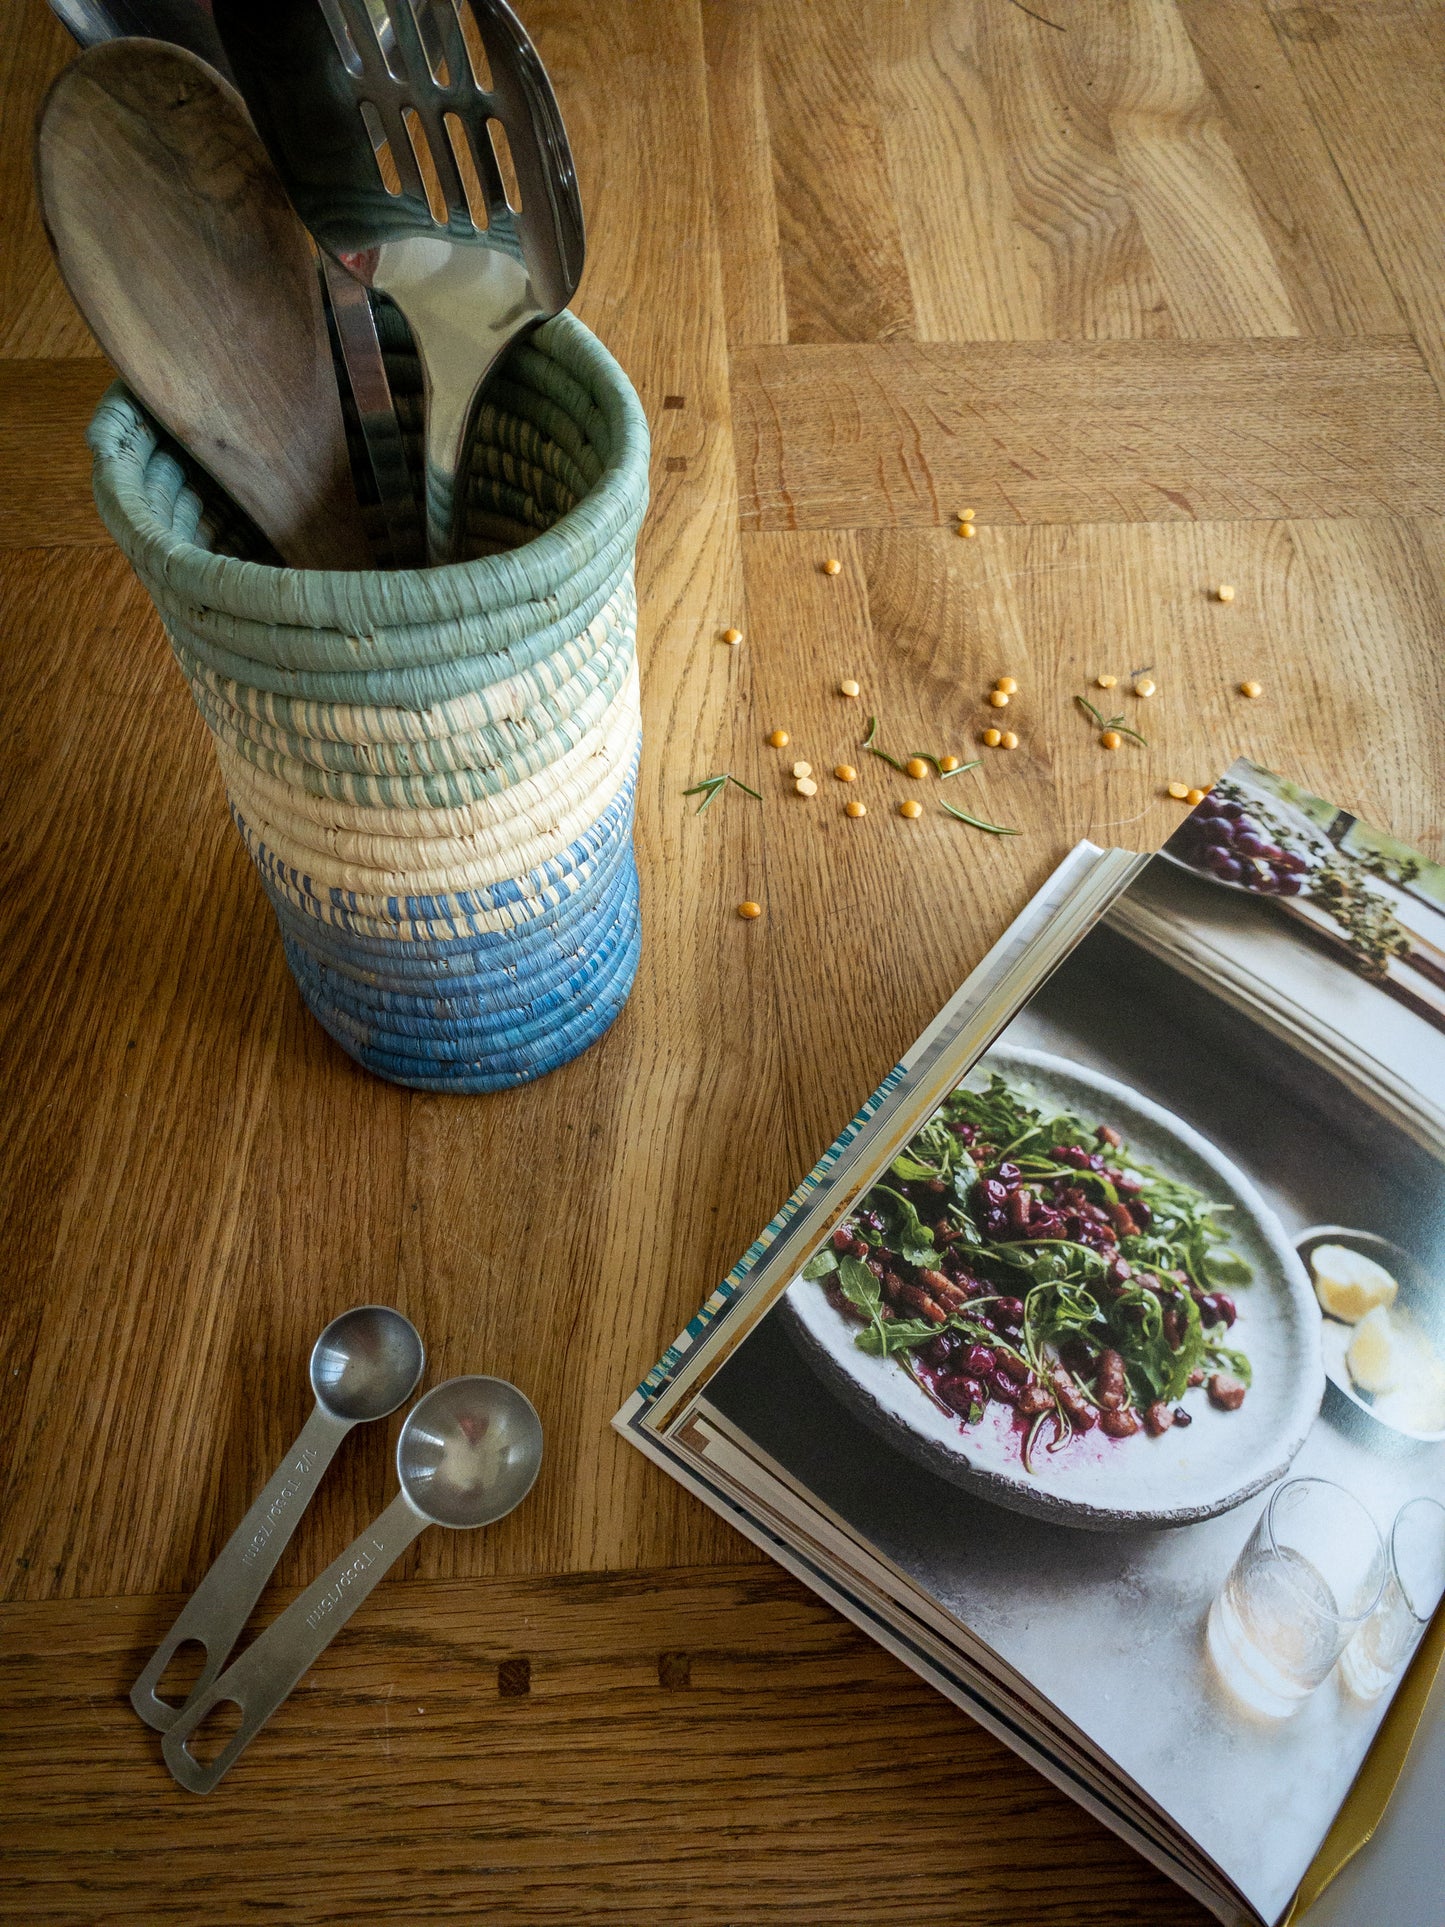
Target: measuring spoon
{"type": "Point", "coordinates": [467, 1455]}
{"type": "Point", "coordinates": [363, 1366]}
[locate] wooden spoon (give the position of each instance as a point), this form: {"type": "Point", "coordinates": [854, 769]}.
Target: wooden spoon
{"type": "Point", "coordinates": [180, 249]}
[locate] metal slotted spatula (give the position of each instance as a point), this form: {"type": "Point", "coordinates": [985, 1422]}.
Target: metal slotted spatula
{"type": "Point", "coordinates": [420, 142]}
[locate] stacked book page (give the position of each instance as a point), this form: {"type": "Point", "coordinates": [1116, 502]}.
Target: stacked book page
{"type": "Point", "coordinates": [1098, 1368]}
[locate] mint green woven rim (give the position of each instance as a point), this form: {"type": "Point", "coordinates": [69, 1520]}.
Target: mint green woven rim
{"type": "Point", "coordinates": [562, 401]}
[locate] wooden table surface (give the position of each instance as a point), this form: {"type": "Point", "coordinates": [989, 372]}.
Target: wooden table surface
{"type": "Point", "coordinates": [1155, 288]}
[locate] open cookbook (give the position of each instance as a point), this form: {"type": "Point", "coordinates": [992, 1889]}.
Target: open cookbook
{"type": "Point", "coordinates": [1098, 1368]}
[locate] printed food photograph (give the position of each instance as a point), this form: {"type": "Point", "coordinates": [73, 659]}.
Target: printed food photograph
{"type": "Point", "coordinates": [1049, 1293]}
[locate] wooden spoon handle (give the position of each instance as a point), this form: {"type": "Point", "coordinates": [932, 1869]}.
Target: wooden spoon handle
{"type": "Point", "coordinates": [179, 247]}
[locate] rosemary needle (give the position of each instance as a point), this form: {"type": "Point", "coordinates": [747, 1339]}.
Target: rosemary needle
{"type": "Point", "coordinates": [977, 822]}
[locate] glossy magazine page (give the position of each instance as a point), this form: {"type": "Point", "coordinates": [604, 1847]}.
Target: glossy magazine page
{"type": "Point", "coordinates": [1132, 1360]}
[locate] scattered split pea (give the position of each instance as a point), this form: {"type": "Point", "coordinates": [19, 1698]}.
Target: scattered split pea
{"type": "Point", "coordinates": [993, 737]}
{"type": "Point", "coordinates": [1145, 687]}
{"type": "Point", "coordinates": [1111, 739]}
{"type": "Point", "coordinates": [1225, 592]}
{"type": "Point", "coordinates": [750, 910]}
{"type": "Point", "coordinates": [845, 773]}
{"type": "Point", "coordinates": [855, 808]}
{"type": "Point", "coordinates": [948, 764]}
{"type": "Point", "coordinates": [848, 687]}
{"type": "Point", "coordinates": [1008, 740]}
{"type": "Point", "coordinates": [1251, 689]}
{"type": "Point", "coordinates": [832, 566]}
{"type": "Point", "coordinates": [967, 531]}
{"type": "Point", "coordinates": [779, 739]}
{"type": "Point", "coordinates": [733, 636]}
{"type": "Point", "coordinates": [805, 786]}
{"type": "Point", "coordinates": [1179, 791]}
{"type": "Point", "coordinates": [916, 767]}
{"type": "Point", "coordinates": [1007, 685]}
{"type": "Point", "coordinates": [998, 698]}
{"type": "Point", "coordinates": [1105, 681]}
{"type": "Point", "coordinates": [1195, 796]}
{"type": "Point", "coordinates": [802, 769]}
{"type": "Point", "coordinates": [910, 809]}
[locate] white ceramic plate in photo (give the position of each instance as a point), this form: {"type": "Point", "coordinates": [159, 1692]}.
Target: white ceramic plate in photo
{"type": "Point", "coordinates": [1112, 1485]}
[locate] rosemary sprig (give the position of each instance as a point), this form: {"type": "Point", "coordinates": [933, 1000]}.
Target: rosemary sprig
{"type": "Point", "coordinates": [712, 787]}
{"type": "Point", "coordinates": [977, 822]}
{"type": "Point", "coordinates": [1108, 722]}
{"type": "Point", "coordinates": [870, 743]}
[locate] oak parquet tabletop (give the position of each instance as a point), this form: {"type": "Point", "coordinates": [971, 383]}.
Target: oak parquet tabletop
{"type": "Point", "coordinates": [1156, 289]}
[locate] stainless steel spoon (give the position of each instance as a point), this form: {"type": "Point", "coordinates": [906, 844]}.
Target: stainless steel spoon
{"type": "Point", "coordinates": [469, 1453]}
{"type": "Point", "coordinates": [383, 131]}
{"type": "Point", "coordinates": [365, 1364]}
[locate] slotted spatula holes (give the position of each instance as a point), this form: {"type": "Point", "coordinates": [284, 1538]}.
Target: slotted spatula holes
{"type": "Point", "coordinates": [341, 34]}
{"type": "Point", "coordinates": [467, 169]}
{"type": "Point", "coordinates": [472, 39]}
{"type": "Point", "coordinates": [426, 165]}
{"type": "Point", "coordinates": [380, 146]}
{"type": "Point", "coordinates": [502, 149]}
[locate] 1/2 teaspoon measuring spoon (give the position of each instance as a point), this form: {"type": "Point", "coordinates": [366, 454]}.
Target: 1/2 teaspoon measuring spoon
{"type": "Point", "coordinates": [468, 1453]}
{"type": "Point", "coordinates": [365, 1364]}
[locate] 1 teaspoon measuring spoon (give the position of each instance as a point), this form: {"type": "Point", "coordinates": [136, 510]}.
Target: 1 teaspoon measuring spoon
{"type": "Point", "coordinates": [468, 1454]}
{"type": "Point", "coordinates": [365, 1364]}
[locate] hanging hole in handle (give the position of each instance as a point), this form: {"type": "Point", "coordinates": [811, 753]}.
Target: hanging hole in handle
{"type": "Point", "coordinates": [476, 50]}
{"type": "Point", "coordinates": [426, 165]}
{"type": "Point", "coordinates": [182, 1670]}
{"type": "Point", "coordinates": [467, 170]}
{"type": "Point", "coordinates": [502, 148]}
{"type": "Point", "coordinates": [381, 147]}
{"type": "Point", "coordinates": [214, 1732]}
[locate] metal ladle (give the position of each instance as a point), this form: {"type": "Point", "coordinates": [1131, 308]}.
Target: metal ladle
{"type": "Point", "coordinates": [365, 1364]}
{"type": "Point", "coordinates": [467, 1455]}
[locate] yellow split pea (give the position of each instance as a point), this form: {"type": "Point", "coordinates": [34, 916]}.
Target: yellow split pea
{"type": "Point", "coordinates": [993, 737]}
{"type": "Point", "coordinates": [779, 739]}
{"type": "Point", "coordinates": [916, 767]}
{"type": "Point", "coordinates": [733, 636]}
{"type": "Point", "coordinates": [750, 910]}
{"type": "Point", "coordinates": [1111, 739]}
{"type": "Point", "coordinates": [1251, 689]}
{"type": "Point", "coordinates": [855, 808]}
{"type": "Point", "coordinates": [848, 687]}
{"type": "Point", "coordinates": [1007, 685]}
{"type": "Point", "coordinates": [910, 809]}
{"type": "Point", "coordinates": [832, 566]}
{"type": "Point", "coordinates": [1008, 740]}
{"type": "Point", "coordinates": [998, 698]}
{"type": "Point", "coordinates": [845, 773]}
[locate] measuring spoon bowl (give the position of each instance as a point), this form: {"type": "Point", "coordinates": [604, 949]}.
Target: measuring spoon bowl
{"type": "Point", "coordinates": [365, 1364]}
{"type": "Point", "coordinates": [468, 1454]}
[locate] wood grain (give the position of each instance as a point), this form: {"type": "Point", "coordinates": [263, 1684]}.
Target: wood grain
{"type": "Point", "coordinates": [679, 1732]}
{"type": "Point", "coordinates": [45, 497]}
{"type": "Point", "coordinates": [875, 437]}
{"type": "Point", "coordinates": [1154, 289]}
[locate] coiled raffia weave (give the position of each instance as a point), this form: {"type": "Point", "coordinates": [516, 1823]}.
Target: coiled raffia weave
{"type": "Point", "coordinates": [433, 769]}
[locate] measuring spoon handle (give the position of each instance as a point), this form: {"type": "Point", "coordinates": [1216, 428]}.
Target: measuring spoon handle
{"type": "Point", "coordinates": [220, 1606]}
{"type": "Point", "coordinates": [276, 1660]}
